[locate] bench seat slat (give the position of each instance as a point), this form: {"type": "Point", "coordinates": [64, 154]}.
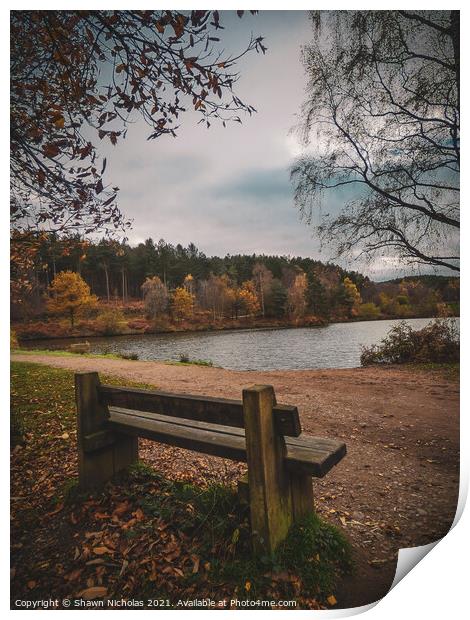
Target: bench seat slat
{"type": "Point", "coordinates": [201, 408]}
{"type": "Point", "coordinates": [311, 455]}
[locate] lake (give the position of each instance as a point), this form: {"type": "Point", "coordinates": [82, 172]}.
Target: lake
{"type": "Point", "coordinates": [335, 346]}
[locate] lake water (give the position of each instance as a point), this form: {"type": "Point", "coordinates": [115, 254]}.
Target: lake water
{"type": "Point", "coordinates": [335, 346]}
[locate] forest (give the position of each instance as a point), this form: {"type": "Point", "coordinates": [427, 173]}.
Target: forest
{"type": "Point", "coordinates": [77, 287]}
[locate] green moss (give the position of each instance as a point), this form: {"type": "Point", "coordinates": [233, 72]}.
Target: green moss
{"type": "Point", "coordinates": [317, 550]}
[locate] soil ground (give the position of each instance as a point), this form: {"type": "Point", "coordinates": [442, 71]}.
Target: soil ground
{"type": "Point", "coordinates": [398, 485]}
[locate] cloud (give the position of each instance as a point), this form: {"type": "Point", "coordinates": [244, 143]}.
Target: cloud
{"type": "Point", "coordinates": [264, 184]}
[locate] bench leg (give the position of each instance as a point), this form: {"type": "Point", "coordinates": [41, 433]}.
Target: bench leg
{"type": "Point", "coordinates": [269, 482]}
{"type": "Point", "coordinates": [126, 451]}
{"type": "Point", "coordinates": [302, 495]}
{"type": "Point", "coordinates": [96, 467]}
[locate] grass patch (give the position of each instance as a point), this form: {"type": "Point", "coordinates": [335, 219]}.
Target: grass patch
{"type": "Point", "coordinates": [450, 371]}
{"type": "Point", "coordinates": [185, 360]}
{"type": "Point", "coordinates": [62, 353]}
{"type": "Point", "coordinates": [41, 395]}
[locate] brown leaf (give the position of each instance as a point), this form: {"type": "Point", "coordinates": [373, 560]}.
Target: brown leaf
{"type": "Point", "coordinates": [54, 512]}
{"type": "Point", "coordinates": [121, 509]}
{"type": "Point", "coordinates": [93, 592]}
{"type": "Point", "coordinates": [138, 514]}
{"type": "Point", "coordinates": [74, 575]}
{"type": "Point", "coordinates": [101, 550]}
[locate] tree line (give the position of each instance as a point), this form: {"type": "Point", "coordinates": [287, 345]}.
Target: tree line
{"type": "Point", "coordinates": [178, 282]}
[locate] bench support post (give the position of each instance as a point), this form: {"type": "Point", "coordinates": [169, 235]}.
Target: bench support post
{"type": "Point", "coordinates": [302, 495]}
{"type": "Point", "coordinates": [97, 465]}
{"type": "Point", "coordinates": [269, 482]}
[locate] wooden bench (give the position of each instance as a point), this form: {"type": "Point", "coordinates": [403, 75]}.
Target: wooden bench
{"type": "Point", "coordinates": [267, 436]}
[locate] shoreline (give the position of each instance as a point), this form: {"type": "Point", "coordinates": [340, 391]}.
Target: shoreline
{"type": "Point", "coordinates": [214, 328]}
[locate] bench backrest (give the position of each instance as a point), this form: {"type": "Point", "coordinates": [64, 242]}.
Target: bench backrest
{"type": "Point", "coordinates": [222, 411]}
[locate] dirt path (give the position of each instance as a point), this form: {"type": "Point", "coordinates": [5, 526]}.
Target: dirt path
{"type": "Point", "coordinates": [398, 485]}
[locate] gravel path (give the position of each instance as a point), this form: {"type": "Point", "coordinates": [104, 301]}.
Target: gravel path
{"type": "Point", "coordinates": [397, 486]}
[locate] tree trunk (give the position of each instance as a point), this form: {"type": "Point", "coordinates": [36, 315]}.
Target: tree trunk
{"type": "Point", "coordinates": [105, 267]}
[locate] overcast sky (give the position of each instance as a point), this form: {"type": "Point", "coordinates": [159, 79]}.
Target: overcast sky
{"type": "Point", "coordinates": [227, 189]}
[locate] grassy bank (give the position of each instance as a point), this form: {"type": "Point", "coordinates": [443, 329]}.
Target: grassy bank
{"type": "Point", "coordinates": [143, 536]}
{"type": "Point", "coordinates": [183, 361]}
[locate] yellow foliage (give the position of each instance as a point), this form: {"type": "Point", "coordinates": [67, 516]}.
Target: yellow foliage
{"type": "Point", "coordinates": [249, 298]}
{"type": "Point", "coordinates": [69, 294]}
{"type": "Point", "coordinates": [352, 295]}
{"type": "Point", "coordinates": [182, 304]}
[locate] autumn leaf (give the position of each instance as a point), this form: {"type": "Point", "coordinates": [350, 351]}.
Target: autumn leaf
{"type": "Point", "coordinates": [101, 550]}
{"type": "Point", "coordinates": [93, 592]}
{"type": "Point", "coordinates": [54, 512]}
{"type": "Point", "coordinates": [331, 600]}
{"type": "Point", "coordinates": [59, 122]}
{"type": "Point", "coordinates": [121, 509]}
{"type": "Point", "coordinates": [248, 586]}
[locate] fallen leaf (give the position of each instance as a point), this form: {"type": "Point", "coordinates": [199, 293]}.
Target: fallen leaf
{"type": "Point", "coordinates": [54, 512]}
{"type": "Point", "coordinates": [74, 575]}
{"type": "Point", "coordinates": [93, 592]}
{"type": "Point", "coordinates": [101, 550]}
{"type": "Point", "coordinates": [121, 509]}
{"type": "Point", "coordinates": [331, 600]}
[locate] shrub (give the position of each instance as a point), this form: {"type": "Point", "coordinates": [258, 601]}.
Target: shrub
{"type": "Point", "coordinates": [185, 359]}
{"type": "Point", "coordinates": [109, 322]}
{"type": "Point", "coordinates": [368, 311]}
{"type": "Point", "coordinates": [437, 342]}
{"type": "Point", "coordinates": [129, 356]}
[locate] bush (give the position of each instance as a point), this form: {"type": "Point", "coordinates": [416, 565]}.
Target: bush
{"type": "Point", "coordinates": [129, 356]}
{"type": "Point", "coordinates": [438, 342]}
{"type": "Point", "coordinates": [109, 322]}
{"type": "Point", "coordinates": [185, 359]}
{"type": "Point", "coordinates": [368, 311]}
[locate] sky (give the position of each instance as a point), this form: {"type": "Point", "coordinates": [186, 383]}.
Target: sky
{"type": "Point", "coordinates": [228, 190]}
